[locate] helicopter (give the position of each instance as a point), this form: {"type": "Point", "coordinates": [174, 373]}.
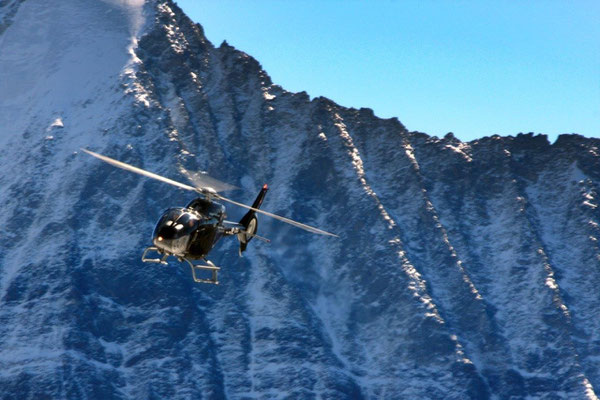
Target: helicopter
{"type": "Point", "coordinates": [189, 233]}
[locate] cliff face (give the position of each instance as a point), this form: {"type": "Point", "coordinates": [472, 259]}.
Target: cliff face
{"type": "Point", "coordinates": [463, 270]}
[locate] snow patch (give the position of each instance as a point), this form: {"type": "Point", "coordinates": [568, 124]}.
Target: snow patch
{"type": "Point", "coordinates": [462, 149]}
{"type": "Point", "coordinates": [589, 389]}
{"type": "Point", "coordinates": [589, 197]}
{"type": "Point", "coordinates": [57, 123]}
{"type": "Point", "coordinates": [410, 153]}
{"type": "Point", "coordinates": [177, 39]}
{"type": "Point", "coordinates": [268, 96]}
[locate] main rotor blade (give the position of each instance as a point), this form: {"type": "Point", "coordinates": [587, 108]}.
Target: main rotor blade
{"type": "Point", "coordinates": [202, 180]}
{"type": "Point", "coordinates": [140, 171]}
{"type": "Point", "coordinates": [284, 219]}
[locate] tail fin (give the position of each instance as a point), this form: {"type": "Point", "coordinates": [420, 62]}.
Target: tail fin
{"type": "Point", "coordinates": [250, 222]}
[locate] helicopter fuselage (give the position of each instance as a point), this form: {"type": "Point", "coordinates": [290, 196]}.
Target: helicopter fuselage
{"type": "Point", "coordinates": [190, 232]}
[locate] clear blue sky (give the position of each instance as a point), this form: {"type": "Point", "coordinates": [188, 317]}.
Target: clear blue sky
{"type": "Point", "coordinates": [475, 68]}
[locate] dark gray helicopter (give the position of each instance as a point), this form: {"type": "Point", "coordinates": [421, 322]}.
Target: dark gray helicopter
{"type": "Point", "coordinates": [190, 232]}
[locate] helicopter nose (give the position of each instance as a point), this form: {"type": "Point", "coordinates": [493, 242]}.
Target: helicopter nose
{"type": "Point", "coordinates": [166, 233]}
{"type": "Point", "coordinates": [175, 246]}
{"type": "Point", "coordinates": [171, 238]}
{"type": "Point", "coordinates": [174, 230]}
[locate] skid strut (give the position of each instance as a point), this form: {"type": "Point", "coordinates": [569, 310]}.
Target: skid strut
{"type": "Point", "coordinates": [214, 270]}
{"type": "Point", "coordinates": [162, 259]}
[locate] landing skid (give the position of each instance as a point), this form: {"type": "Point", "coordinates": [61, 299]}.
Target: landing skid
{"type": "Point", "coordinates": [162, 260]}
{"type": "Point", "coordinates": [214, 270]}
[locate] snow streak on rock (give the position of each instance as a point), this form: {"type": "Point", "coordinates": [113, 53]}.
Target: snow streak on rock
{"type": "Point", "coordinates": [358, 167]}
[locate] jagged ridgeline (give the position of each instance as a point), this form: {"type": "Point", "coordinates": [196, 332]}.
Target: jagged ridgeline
{"type": "Point", "coordinates": [463, 270]}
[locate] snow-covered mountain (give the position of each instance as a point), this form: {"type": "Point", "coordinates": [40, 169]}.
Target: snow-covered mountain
{"type": "Point", "coordinates": [463, 270]}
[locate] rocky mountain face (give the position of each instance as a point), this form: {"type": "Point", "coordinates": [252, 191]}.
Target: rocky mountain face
{"type": "Point", "coordinates": [462, 270]}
